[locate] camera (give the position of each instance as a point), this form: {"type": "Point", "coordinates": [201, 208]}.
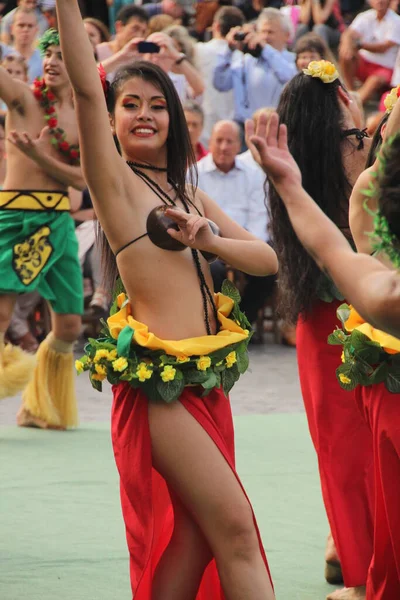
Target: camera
{"type": "Point", "coordinates": [239, 36]}
{"type": "Point", "coordinates": [256, 52]}
{"type": "Point", "coordinates": [148, 47]}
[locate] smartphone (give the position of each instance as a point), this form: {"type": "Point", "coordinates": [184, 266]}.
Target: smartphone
{"type": "Point", "coordinates": [239, 36]}
{"type": "Point", "coordinates": [151, 47]}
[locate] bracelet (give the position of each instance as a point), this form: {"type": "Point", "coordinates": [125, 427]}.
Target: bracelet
{"type": "Point", "coordinates": [181, 58]}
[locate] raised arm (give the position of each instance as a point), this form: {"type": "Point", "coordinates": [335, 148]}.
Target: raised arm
{"type": "Point", "coordinates": [102, 166]}
{"type": "Point", "coordinates": [373, 289]}
{"type": "Point", "coordinates": [13, 92]}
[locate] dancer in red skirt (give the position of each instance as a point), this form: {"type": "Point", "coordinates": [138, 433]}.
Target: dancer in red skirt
{"type": "Point", "coordinates": [331, 152]}
{"type": "Point", "coordinates": [374, 290]}
{"type": "Point", "coordinates": [175, 349]}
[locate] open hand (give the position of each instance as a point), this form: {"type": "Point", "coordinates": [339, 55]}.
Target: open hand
{"type": "Point", "coordinates": [130, 50]}
{"type": "Point", "coordinates": [34, 148]}
{"type": "Point", "coordinates": [268, 145]}
{"type": "Point", "coordinates": [194, 230]}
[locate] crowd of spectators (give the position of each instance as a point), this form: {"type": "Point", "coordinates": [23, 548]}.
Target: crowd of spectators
{"type": "Point", "coordinates": [229, 60]}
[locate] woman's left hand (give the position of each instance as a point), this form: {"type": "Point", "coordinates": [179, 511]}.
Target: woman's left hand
{"type": "Point", "coordinates": [194, 230]}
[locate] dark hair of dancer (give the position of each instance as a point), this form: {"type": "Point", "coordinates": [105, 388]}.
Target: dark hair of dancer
{"type": "Point", "coordinates": [180, 156]}
{"type": "Point", "coordinates": [376, 141]}
{"type": "Point", "coordinates": [388, 185]}
{"type": "Point", "coordinates": [313, 116]}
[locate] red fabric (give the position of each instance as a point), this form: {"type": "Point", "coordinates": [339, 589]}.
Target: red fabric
{"type": "Point", "coordinates": [342, 441]}
{"type": "Point", "coordinates": [381, 410]}
{"type": "Point", "coordinates": [365, 69]}
{"type": "Point", "coordinates": [146, 504]}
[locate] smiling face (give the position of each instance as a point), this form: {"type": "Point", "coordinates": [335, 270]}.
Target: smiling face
{"type": "Point", "coordinates": [141, 121]}
{"type": "Point", "coordinates": [55, 73]}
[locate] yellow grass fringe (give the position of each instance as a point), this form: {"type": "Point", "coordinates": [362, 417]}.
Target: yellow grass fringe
{"type": "Point", "coordinates": [50, 395]}
{"type": "Point", "coordinates": [16, 370]}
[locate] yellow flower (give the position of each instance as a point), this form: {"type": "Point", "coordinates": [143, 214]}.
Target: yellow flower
{"type": "Point", "coordinates": [203, 363]}
{"type": "Point", "coordinates": [323, 70]}
{"type": "Point", "coordinates": [79, 366]}
{"type": "Point", "coordinates": [247, 332]}
{"type": "Point", "coordinates": [100, 369]}
{"type": "Point", "coordinates": [143, 372]}
{"type": "Point", "coordinates": [120, 364]}
{"type": "Point", "coordinates": [230, 359]}
{"type": "Point", "coordinates": [98, 377]}
{"type": "Point", "coordinates": [391, 99]}
{"type": "Point", "coordinates": [102, 353]}
{"type": "Point", "coordinates": [112, 355]}
{"type": "Point", "coordinates": [168, 373]}
{"type": "Point", "coordinates": [342, 357]}
{"type": "Point", "coordinates": [182, 359]}
{"type": "Point", "coordinates": [344, 378]}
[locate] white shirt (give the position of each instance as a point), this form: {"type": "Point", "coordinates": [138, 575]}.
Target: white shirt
{"type": "Point", "coordinates": [217, 106]}
{"type": "Point", "coordinates": [373, 31]}
{"type": "Point", "coordinates": [240, 193]}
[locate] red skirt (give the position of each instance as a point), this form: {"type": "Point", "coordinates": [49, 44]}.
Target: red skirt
{"type": "Point", "coordinates": [146, 504]}
{"type": "Point", "coordinates": [342, 441]}
{"type": "Point", "coordinates": [381, 410]}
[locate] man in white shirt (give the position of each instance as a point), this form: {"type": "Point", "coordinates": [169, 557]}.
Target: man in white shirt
{"type": "Point", "coordinates": [216, 105]}
{"type": "Point", "coordinates": [238, 188]}
{"type": "Point", "coordinates": [369, 48]}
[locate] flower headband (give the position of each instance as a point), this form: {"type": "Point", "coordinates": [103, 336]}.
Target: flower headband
{"type": "Point", "coordinates": [50, 37]}
{"type": "Point", "coordinates": [383, 240]}
{"type": "Point", "coordinates": [323, 70]}
{"type": "Point", "coordinates": [391, 99]}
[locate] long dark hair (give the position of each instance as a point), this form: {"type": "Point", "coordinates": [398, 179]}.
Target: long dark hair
{"type": "Point", "coordinates": [376, 142]}
{"type": "Point", "coordinates": [313, 116]}
{"type": "Point", "coordinates": [389, 186]}
{"type": "Point", "coordinates": [181, 160]}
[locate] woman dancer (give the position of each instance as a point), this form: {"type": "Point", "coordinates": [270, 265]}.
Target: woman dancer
{"type": "Point", "coordinates": [374, 290]}
{"type": "Point", "coordinates": [178, 454]}
{"type": "Point", "coordinates": [331, 153]}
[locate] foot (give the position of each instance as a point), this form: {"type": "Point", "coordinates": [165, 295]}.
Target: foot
{"type": "Point", "coordinates": [27, 419]}
{"type": "Point", "coordinates": [333, 570]}
{"type": "Point", "coordinates": [354, 593]}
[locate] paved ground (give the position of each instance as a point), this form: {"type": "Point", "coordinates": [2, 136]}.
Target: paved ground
{"type": "Point", "coordinates": [271, 387]}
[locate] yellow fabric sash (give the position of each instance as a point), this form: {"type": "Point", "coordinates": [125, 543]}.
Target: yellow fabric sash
{"type": "Point", "coordinates": [36, 201]}
{"type": "Point", "coordinates": [230, 332]}
{"type": "Point", "coordinates": [390, 344]}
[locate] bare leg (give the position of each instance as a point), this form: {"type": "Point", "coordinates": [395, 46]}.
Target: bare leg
{"type": "Point", "coordinates": [179, 572]}
{"type": "Point", "coordinates": [190, 462]}
{"type": "Point", "coordinates": [372, 85]}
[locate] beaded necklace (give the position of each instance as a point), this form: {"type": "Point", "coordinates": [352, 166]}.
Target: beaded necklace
{"type": "Point", "coordinates": [47, 101]}
{"type": "Point", "coordinates": [168, 201]}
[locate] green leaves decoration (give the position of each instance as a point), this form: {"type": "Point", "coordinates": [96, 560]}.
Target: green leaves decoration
{"type": "Point", "coordinates": [364, 362]}
{"type": "Point", "coordinates": [161, 376]}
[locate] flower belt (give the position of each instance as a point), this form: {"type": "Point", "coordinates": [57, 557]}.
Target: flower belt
{"type": "Point", "coordinates": [369, 356]}
{"type": "Point", "coordinates": [162, 368]}
{"type": "Point", "coordinates": [35, 201]}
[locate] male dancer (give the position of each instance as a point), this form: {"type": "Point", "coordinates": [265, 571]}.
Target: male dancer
{"type": "Point", "coordinates": [38, 247]}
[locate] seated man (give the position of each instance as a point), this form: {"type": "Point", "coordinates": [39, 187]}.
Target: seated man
{"type": "Point", "coordinates": [238, 187]}
{"type": "Point", "coordinates": [369, 48]}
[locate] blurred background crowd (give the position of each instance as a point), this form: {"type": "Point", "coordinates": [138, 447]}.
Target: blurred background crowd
{"type": "Point", "coordinates": [229, 61]}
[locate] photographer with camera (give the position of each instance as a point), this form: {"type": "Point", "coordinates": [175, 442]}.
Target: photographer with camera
{"type": "Point", "coordinates": [259, 71]}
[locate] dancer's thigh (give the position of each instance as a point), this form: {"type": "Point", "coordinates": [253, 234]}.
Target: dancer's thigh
{"type": "Point", "coordinates": [193, 466]}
